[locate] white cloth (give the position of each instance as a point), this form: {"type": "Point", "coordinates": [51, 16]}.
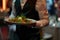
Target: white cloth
{"type": "Point", "coordinates": [13, 26]}
{"type": "Point", "coordinates": [13, 10]}
{"type": "Point", "coordinates": [14, 0]}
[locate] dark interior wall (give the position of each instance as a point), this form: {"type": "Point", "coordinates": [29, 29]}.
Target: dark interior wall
{"type": "Point", "coordinates": [9, 3]}
{"type": "Point", "coordinates": [0, 3]}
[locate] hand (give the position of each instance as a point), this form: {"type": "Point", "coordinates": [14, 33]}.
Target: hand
{"type": "Point", "coordinates": [39, 24]}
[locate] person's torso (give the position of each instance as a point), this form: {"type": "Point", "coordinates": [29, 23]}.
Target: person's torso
{"type": "Point", "coordinates": [30, 12]}
{"type": "Point", "coordinates": [28, 9]}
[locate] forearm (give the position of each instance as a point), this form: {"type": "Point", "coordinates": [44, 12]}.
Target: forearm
{"type": "Point", "coordinates": [43, 22]}
{"type": "Point", "coordinates": [43, 13]}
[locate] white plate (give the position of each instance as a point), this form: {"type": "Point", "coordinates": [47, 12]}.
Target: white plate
{"type": "Point", "coordinates": [7, 20]}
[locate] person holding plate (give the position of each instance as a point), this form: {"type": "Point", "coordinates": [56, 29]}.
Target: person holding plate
{"type": "Point", "coordinates": [32, 9]}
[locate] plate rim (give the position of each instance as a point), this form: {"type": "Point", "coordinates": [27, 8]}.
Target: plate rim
{"type": "Point", "coordinates": [20, 22]}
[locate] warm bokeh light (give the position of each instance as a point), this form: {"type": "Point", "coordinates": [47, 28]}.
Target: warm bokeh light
{"type": "Point", "coordinates": [56, 5]}
{"type": "Point", "coordinates": [4, 4]}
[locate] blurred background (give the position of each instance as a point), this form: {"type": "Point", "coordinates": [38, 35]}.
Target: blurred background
{"type": "Point", "coordinates": [51, 32]}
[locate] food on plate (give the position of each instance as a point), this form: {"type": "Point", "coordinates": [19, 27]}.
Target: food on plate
{"type": "Point", "coordinates": [20, 19]}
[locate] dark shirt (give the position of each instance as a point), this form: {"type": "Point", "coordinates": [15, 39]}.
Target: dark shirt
{"type": "Point", "coordinates": [29, 11]}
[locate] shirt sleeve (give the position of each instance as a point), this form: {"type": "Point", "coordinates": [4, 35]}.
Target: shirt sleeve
{"type": "Point", "coordinates": [42, 10]}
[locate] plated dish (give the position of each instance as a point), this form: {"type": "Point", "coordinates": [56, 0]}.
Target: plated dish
{"type": "Point", "coordinates": [20, 20]}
